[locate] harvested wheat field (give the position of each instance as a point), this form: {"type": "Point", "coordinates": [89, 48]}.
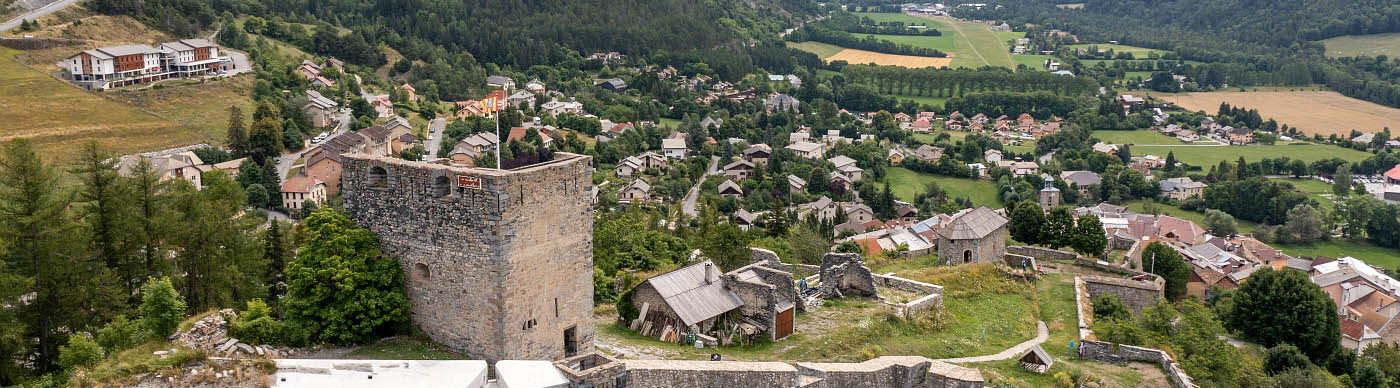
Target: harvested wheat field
{"type": "Point", "coordinates": [861, 56]}
{"type": "Point", "coordinates": [1313, 112]}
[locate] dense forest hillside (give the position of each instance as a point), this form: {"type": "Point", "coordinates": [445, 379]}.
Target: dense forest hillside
{"type": "Point", "coordinates": [517, 32]}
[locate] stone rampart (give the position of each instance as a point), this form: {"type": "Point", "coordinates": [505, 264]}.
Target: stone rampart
{"type": "Point", "coordinates": [1114, 353]}
{"type": "Point", "coordinates": [883, 372]}
{"type": "Point", "coordinates": [1041, 252]}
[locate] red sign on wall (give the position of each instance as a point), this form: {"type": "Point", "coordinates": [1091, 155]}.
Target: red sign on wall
{"type": "Point", "coordinates": [469, 182]}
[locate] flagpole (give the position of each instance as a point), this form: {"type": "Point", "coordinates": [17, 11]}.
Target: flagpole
{"type": "Point", "coordinates": [497, 106]}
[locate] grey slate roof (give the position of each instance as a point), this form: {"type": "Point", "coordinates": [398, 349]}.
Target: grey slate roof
{"type": "Point", "coordinates": [695, 292]}
{"type": "Point", "coordinates": [1081, 178]}
{"type": "Point", "coordinates": [974, 224]}
{"type": "Point", "coordinates": [728, 185]}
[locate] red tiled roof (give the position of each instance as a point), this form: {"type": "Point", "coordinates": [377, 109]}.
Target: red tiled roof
{"type": "Point", "coordinates": [1394, 173]}
{"type": "Point", "coordinates": [1352, 329]}
{"type": "Point", "coordinates": [871, 246]}
{"type": "Point", "coordinates": [299, 184]}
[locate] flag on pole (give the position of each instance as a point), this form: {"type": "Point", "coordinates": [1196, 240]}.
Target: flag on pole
{"type": "Point", "coordinates": [494, 102]}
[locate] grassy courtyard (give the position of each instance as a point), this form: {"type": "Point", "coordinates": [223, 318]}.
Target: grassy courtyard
{"type": "Point", "coordinates": [906, 184]}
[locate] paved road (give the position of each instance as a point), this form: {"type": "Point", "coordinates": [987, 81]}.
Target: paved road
{"type": "Point", "coordinates": [285, 162]}
{"type": "Point", "coordinates": [1042, 334]}
{"type": "Point", "coordinates": [35, 14]}
{"type": "Point", "coordinates": [688, 205]}
{"type": "Point", "coordinates": [435, 129]}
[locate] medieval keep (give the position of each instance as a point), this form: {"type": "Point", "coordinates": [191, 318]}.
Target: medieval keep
{"type": "Point", "coordinates": [498, 263]}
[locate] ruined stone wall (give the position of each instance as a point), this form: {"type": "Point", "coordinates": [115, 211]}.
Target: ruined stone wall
{"type": "Point", "coordinates": [882, 372]}
{"type": "Point", "coordinates": [1018, 261]}
{"type": "Point", "coordinates": [593, 370]}
{"type": "Point", "coordinates": [674, 374]}
{"type": "Point", "coordinates": [760, 303]}
{"type": "Point", "coordinates": [1041, 252]}
{"type": "Point", "coordinates": [499, 262]}
{"type": "Point", "coordinates": [1136, 294]}
{"type": "Point", "coordinates": [657, 311]}
{"type": "Point", "coordinates": [1118, 354]}
{"type": "Point", "coordinates": [933, 294]}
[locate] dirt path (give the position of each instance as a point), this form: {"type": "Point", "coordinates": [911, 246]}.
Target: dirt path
{"type": "Point", "coordinates": [1152, 375]}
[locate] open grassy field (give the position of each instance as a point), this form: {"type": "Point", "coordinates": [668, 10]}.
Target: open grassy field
{"type": "Point", "coordinates": [1032, 61]}
{"type": "Point", "coordinates": [1317, 190]}
{"type": "Point", "coordinates": [861, 56]}
{"type": "Point", "coordinates": [1313, 112]}
{"type": "Point", "coordinates": [977, 45]}
{"type": "Point", "coordinates": [1358, 45]}
{"type": "Point", "coordinates": [59, 118]}
{"type": "Point", "coordinates": [1139, 137]}
{"type": "Point", "coordinates": [1206, 156]}
{"type": "Point", "coordinates": [1360, 249]}
{"type": "Point", "coordinates": [937, 102]}
{"type": "Point", "coordinates": [1138, 52]}
{"type": "Point", "coordinates": [822, 50]}
{"type": "Point", "coordinates": [200, 105]}
{"type": "Point", "coordinates": [906, 184]}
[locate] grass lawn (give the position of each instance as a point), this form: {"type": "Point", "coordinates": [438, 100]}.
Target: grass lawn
{"type": "Point", "coordinates": [1210, 156]}
{"type": "Point", "coordinates": [1138, 52]}
{"type": "Point", "coordinates": [1032, 61]}
{"type": "Point", "coordinates": [906, 184]}
{"type": "Point", "coordinates": [1357, 45]}
{"type": "Point", "coordinates": [978, 45]}
{"type": "Point", "coordinates": [59, 118]}
{"type": "Point", "coordinates": [1317, 190]}
{"type": "Point", "coordinates": [1140, 206]}
{"type": "Point", "coordinates": [203, 106]}
{"type": "Point", "coordinates": [1360, 249]}
{"type": "Point", "coordinates": [669, 123]}
{"type": "Point", "coordinates": [822, 50]}
{"type": "Point", "coordinates": [404, 348]}
{"type": "Point", "coordinates": [1143, 137]}
{"type": "Point", "coordinates": [930, 138]}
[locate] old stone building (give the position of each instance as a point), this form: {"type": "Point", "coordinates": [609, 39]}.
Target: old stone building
{"type": "Point", "coordinates": [974, 236]}
{"type": "Point", "coordinates": [693, 298]}
{"type": "Point", "coordinates": [498, 263]}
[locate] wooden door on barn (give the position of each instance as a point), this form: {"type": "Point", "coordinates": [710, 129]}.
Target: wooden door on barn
{"type": "Point", "coordinates": [783, 326]}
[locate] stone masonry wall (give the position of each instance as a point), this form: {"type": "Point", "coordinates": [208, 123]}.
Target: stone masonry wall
{"type": "Point", "coordinates": [1136, 294]}
{"type": "Point", "coordinates": [1108, 352]}
{"type": "Point", "coordinates": [882, 372]}
{"type": "Point", "coordinates": [498, 268]}
{"type": "Point", "coordinates": [1040, 253]}
{"type": "Point", "coordinates": [674, 374]}
{"type": "Point", "coordinates": [985, 250]}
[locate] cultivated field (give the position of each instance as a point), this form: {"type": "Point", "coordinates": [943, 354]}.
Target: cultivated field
{"type": "Point", "coordinates": [1313, 112]}
{"type": "Point", "coordinates": [1140, 137]}
{"type": "Point", "coordinates": [822, 50]}
{"type": "Point", "coordinates": [861, 56]}
{"type": "Point", "coordinates": [59, 118]}
{"type": "Point", "coordinates": [1205, 156]}
{"type": "Point", "coordinates": [1357, 45]}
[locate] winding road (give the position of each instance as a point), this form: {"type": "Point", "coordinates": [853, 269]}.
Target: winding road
{"type": "Point", "coordinates": [688, 206]}
{"type": "Point", "coordinates": [37, 13]}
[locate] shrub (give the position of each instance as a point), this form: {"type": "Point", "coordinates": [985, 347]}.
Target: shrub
{"type": "Point", "coordinates": [257, 326]}
{"type": "Point", "coordinates": [1283, 358]}
{"type": "Point", "coordinates": [1110, 307]}
{"type": "Point", "coordinates": [120, 334]}
{"type": "Point", "coordinates": [80, 351]}
{"type": "Point", "coordinates": [161, 307]}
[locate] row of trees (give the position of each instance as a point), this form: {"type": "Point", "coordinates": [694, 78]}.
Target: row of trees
{"type": "Point", "coordinates": [943, 82]}
{"type": "Point", "coordinates": [816, 32]}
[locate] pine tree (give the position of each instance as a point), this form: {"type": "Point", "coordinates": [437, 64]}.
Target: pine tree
{"type": "Point", "coordinates": [274, 251]}
{"type": "Point", "coordinates": [151, 220]}
{"type": "Point", "coordinates": [273, 183]}
{"type": "Point", "coordinates": [237, 140]}
{"type": "Point", "coordinates": [106, 205]}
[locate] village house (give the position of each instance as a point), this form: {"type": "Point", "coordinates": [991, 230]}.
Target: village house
{"type": "Point", "coordinates": [895, 156]}
{"type": "Point", "coordinates": [744, 219]}
{"type": "Point", "coordinates": [500, 82]}
{"type": "Point", "coordinates": [992, 156]}
{"type": "Point", "coordinates": [409, 91]}
{"type": "Point", "coordinates": [1085, 180]}
{"type": "Point", "coordinates": [823, 209]}
{"type": "Point", "coordinates": [711, 123]}
{"type": "Point", "coordinates": [973, 236]}
{"type": "Point", "coordinates": [781, 102]}
{"type": "Point", "coordinates": [319, 109]}
{"type": "Point", "coordinates": [615, 85]}
{"type": "Point", "coordinates": [182, 165]}
{"type": "Point", "coordinates": [1105, 148]}
{"type": "Point", "coordinates": [1181, 188]}
{"type": "Point", "coordinates": [842, 180]}
{"type": "Point", "coordinates": [535, 86]}
{"type": "Point", "coordinates": [859, 213]}
{"type": "Point", "coordinates": [521, 99]}
{"type": "Point", "coordinates": [902, 117]}
{"type": "Point", "coordinates": [953, 124]}
{"type": "Point", "coordinates": [729, 189]}
{"type": "Point", "coordinates": [758, 154]}
{"type": "Point", "coordinates": [852, 173]}
{"type": "Point", "coordinates": [673, 148]}
{"type": "Point", "coordinates": [796, 185]}
{"type": "Point", "coordinates": [1019, 168]}
{"type": "Point", "coordinates": [628, 167]}
{"type": "Point", "coordinates": [469, 108]}
{"type": "Point", "coordinates": [475, 146]}
{"type": "Point", "coordinates": [922, 125]}
{"type": "Point", "coordinates": [739, 169]}
{"type": "Point", "coordinates": [1366, 300]}
{"type": "Point", "coordinates": [1240, 136]}
{"type": "Point", "coordinates": [297, 191]}
{"type": "Point", "coordinates": [637, 191]}
{"type": "Point", "coordinates": [555, 107]}
{"type": "Point", "coordinates": [806, 149]}
{"type": "Point", "coordinates": [382, 106]}
{"type": "Point", "coordinates": [841, 161]}
{"type": "Point", "coordinates": [928, 153]}
{"type": "Point", "coordinates": [979, 168]}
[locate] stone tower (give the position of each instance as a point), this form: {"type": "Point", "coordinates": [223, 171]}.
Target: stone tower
{"type": "Point", "coordinates": [498, 263]}
{"type": "Point", "coordinates": [1049, 196]}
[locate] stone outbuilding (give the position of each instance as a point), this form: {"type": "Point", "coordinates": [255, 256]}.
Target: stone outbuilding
{"type": "Point", "coordinates": [1036, 360]}
{"type": "Point", "coordinates": [973, 236]}
{"type": "Point", "coordinates": [694, 299]}
{"type": "Point", "coordinates": [845, 275]}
